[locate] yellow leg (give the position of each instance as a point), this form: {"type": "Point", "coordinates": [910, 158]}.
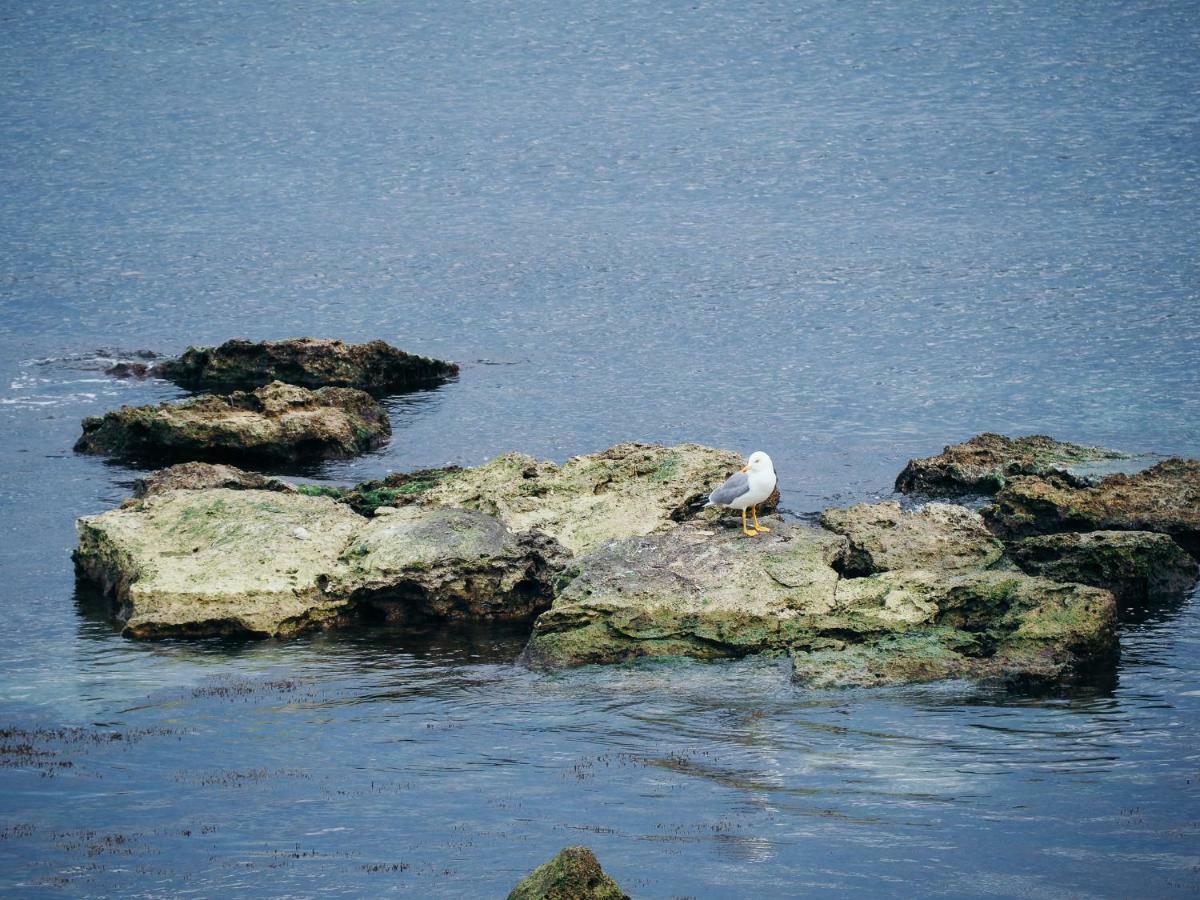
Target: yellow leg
{"type": "Point", "coordinates": [744, 528]}
{"type": "Point", "coordinates": [756, 525]}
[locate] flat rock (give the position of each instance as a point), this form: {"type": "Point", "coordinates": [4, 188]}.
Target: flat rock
{"type": "Point", "coordinates": [198, 476]}
{"type": "Point", "coordinates": [937, 536]}
{"type": "Point", "coordinates": [630, 489]}
{"type": "Point", "coordinates": [983, 464]}
{"type": "Point", "coordinates": [279, 422]}
{"type": "Point", "coordinates": [238, 364]}
{"type": "Point", "coordinates": [1164, 498]}
{"type": "Point", "coordinates": [710, 593]}
{"type": "Point", "coordinates": [218, 561]}
{"type": "Point", "coordinates": [573, 874]}
{"type": "Point", "coordinates": [428, 562]}
{"type": "Point", "coordinates": [1139, 567]}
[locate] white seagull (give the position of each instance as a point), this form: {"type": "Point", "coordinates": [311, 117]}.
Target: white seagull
{"type": "Point", "coordinates": [746, 489]}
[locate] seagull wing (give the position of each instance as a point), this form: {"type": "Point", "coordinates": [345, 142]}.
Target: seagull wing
{"type": "Point", "coordinates": [735, 485]}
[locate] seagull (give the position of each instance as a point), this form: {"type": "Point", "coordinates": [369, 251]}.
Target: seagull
{"type": "Point", "coordinates": [746, 489]}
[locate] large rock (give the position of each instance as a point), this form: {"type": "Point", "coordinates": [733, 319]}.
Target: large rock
{"type": "Point", "coordinates": [1164, 498]}
{"type": "Point", "coordinates": [279, 422]}
{"type": "Point", "coordinates": [420, 563]}
{"type": "Point", "coordinates": [573, 874]}
{"type": "Point", "coordinates": [218, 561]}
{"type": "Point", "coordinates": [937, 536]}
{"type": "Point", "coordinates": [269, 563]}
{"type": "Point", "coordinates": [243, 365]}
{"type": "Point", "coordinates": [630, 489]}
{"type": "Point", "coordinates": [714, 593]}
{"type": "Point", "coordinates": [1139, 567]}
{"type": "Point", "coordinates": [983, 464]}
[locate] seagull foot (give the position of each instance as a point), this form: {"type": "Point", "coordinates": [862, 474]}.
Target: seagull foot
{"type": "Point", "coordinates": [749, 532]}
{"type": "Point", "coordinates": [762, 528]}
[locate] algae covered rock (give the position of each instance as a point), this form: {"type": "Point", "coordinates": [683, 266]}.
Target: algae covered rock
{"type": "Point", "coordinates": [196, 476]}
{"type": "Point", "coordinates": [243, 365]}
{"type": "Point", "coordinates": [984, 463]}
{"type": "Point", "coordinates": [630, 489]}
{"type": "Point", "coordinates": [1137, 566]}
{"type": "Point", "coordinates": [279, 422]}
{"type": "Point", "coordinates": [573, 874]}
{"type": "Point", "coordinates": [218, 561]}
{"type": "Point", "coordinates": [937, 536]}
{"type": "Point", "coordinates": [445, 563]}
{"type": "Point", "coordinates": [397, 489]}
{"type": "Point", "coordinates": [693, 591]}
{"type": "Point", "coordinates": [1164, 498]}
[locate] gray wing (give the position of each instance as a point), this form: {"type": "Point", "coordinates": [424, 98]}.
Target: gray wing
{"type": "Point", "coordinates": [735, 485]}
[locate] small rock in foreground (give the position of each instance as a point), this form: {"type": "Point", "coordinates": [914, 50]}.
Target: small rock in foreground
{"type": "Point", "coordinates": [573, 874]}
{"type": "Point", "coordinates": [983, 464]}
{"type": "Point", "coordinates": [199, 476]}
{"type": "Point", "coordinates": [279, 422]}
{"type": "Point", "coordinates": [238, 364]}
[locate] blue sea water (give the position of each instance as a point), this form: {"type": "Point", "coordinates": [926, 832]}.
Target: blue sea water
{"type": "Point", "coordinates": [844, 233]}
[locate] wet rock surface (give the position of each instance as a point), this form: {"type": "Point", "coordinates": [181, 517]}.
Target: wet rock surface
{"type": "Point", "coordinates": [237, 364]}
{"type": "Point", "coordinates": [420, 563]}
{"type": "Point", "coordinates": [937, 536]}
{"type": "Point", "coordinates": [1139, 567]}
{"type": "Point", "coordinates": [198, 476]}
{"type": "Point", "coordinates": [630, 489]}
{"type": "Point", "coordinates": [1164, 498]}
{"type": "Point", "coordinates": [573, 874]}
{"type": "Point", "coordinates": [983, 464]}
{"type": "Point", "coordinates": [279, 422]}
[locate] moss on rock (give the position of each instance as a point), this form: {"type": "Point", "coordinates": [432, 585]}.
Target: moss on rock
{"type": "Point", "coordinates": [573, 874]}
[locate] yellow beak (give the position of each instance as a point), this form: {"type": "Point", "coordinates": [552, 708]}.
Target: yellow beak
{"type": "Point", "coordinates": [745, 468]}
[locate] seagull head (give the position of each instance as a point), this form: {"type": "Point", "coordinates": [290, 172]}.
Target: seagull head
{"type": "Point", "coordinates": [758, 462]}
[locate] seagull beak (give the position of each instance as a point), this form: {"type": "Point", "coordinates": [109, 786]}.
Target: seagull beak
{"type": "Point", "coordinates": [745, 468]}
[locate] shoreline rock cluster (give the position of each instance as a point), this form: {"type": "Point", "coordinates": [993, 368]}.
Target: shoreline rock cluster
{"type": "Point", "coordinates": [289, 401]}
{"type": "Point", "coordinates": [613, 556]}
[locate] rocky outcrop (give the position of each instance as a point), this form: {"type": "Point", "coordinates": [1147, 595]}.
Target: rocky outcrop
{"type": "Point", "coordinates": [397, 489]}
{"type": "Point", "coordinates": [421, 563]}
{"type": "Point", "coordinates": [983, 464]}
{"type": "Point", "coordinates": [1164, 498]}
{"type": "Point", "coordinates": [937, 536]}
{"type": "Point", "coordinates": [267, 563]}
{"type": "Point", "coordinates": [630, 489]}
{"type": "Point", "coordinates": [573, 874]}
{"type": "Point", "coordinates": [196, 476]}
{"type": "Point", "coordinates": [279, 422]}
{"type": "Point", "coordinates": [704, 593]}
{"type": "Point", "coordinates": [375, 366]}
{"type": "Point", "coordinates": [1139, 567]}
{"type": "Point", "coordinates": [218, 561]}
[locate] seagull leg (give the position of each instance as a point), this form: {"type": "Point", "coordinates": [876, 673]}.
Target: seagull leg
{"type": "Point", "coordinates": [756, 525]}
{"type": "Point", "coordinates": [746, 530]}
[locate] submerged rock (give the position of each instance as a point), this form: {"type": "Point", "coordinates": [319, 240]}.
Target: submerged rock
{"type": "Point", "coordinates": [936, 536]}
{"type": "Point", "coordinates": [449, 564]}
{"type": "Point", "coordinates": [983, 464]}
{"type": "Point", "coordinates": [1137, 566]}
{"type": "Point", "coordinates": [309, 362]}
{"type": "Point", "coordinates": [573, 874]}
{"type": "Point", "coordinates": [198, 476]}
{"type": "Point", "coordinates": [707, 594]}
{"type": "Point", "coordinates": [1164, 498]}
{"type": "Point", "coordinates": [217, 561]}
{"type": "Point", "coordinates": [630, 489]}
{"type": "Point", "coordinates": [279, 422]}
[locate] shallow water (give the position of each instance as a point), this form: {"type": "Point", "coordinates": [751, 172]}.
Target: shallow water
{"type": "Point", "coordinates": [846, 234]}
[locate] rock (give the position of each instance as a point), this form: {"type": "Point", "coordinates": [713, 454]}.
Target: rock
{"type": "Point", "coordinates": [309, 362]}
{"type": "Point", "coordinates": [936, 536]}
{"type": "Point", "coordinates": [1164, 498]}
{"type": "Point", "coordinates": [984, 463]}
{"type": "Point", "coordinates": [217, 561]}
{"type": "Point", "coordinates": [197, 476]}
{"type": "Point", "coordinates": [630, 489]}
{"type": "Point", "coordinates": [371, 497]}
{"type": "Point", "coordinates": [386, 510]}
{"type": "Point", "coordinates": [420, 562]}
{"type": "Point", "coordinates": [279, 422]}
{"type": "Point", "coordinates": [1139, 567]}
{"type": "Point", "coordinates": [704, 593]}
{"type": "Point", "coordinates": [573, 874]}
